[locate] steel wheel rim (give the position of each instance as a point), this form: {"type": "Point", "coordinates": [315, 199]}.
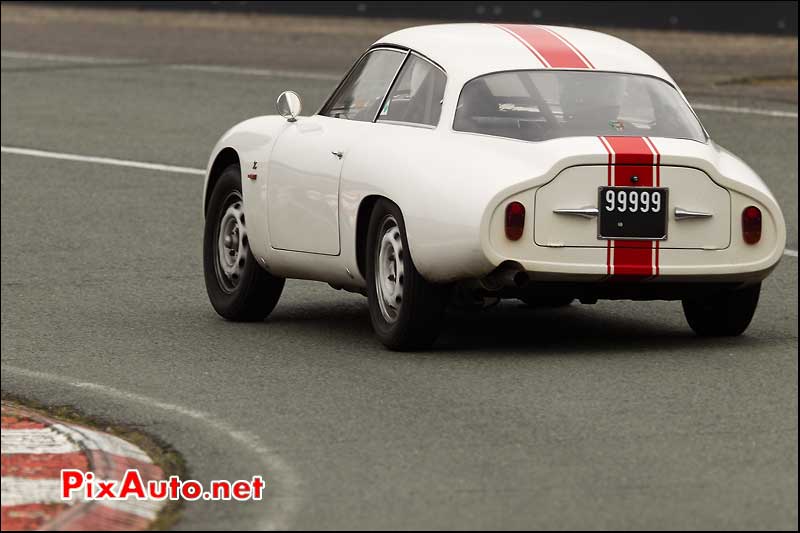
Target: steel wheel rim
{"type": "Point", "coordinates": [389, 271]}
{"type": "Point", "coordinates": [232, 244]}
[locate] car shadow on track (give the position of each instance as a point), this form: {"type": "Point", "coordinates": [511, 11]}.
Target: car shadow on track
{"type": "Point", "coordinates": [578, 329]}
{"type": "Point", "coordinates": [514, 327]}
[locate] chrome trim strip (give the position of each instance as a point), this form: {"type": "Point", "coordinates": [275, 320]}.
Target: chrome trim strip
{"type": "Point", "coordinates": [683, 214]}
{"type": "Point", "coordinates": [585, 212]}
{"type": "Point", "coordinates": [401, 123]}
{"type": "Point", "coordinates": [391, 85]}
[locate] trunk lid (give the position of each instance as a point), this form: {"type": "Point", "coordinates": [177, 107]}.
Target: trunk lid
{"type": "Point", "coordinates": [698, 211]}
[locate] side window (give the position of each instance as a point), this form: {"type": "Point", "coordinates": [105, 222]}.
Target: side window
{"type": "Point", "coordinates": [416, 96]}
{"type": "Point", "coordinates": [361, 95]}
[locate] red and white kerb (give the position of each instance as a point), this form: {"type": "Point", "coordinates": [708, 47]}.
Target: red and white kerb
{"type": "Point", "coordinates": [550, 48]}
{"type": "Point", "coordinates": [628, 157]}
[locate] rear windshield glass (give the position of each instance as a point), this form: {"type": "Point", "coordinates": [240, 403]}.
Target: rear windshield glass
{"type": "Point", "coordinates": [541, 105]}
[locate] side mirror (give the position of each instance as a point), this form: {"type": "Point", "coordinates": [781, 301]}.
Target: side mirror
{"type": "Point", "coordinates": [289, 105]}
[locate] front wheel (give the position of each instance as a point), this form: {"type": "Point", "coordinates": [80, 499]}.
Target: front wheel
{"type": "Point", "coordinates": [406, 310]}
{"type": "Point", "coordinates": [239, 289]}
{"type": "Point", "coordinates": [725, 314]}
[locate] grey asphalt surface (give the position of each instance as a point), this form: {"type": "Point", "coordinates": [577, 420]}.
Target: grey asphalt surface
{"type": "Point", "coordinates": [606, 416]}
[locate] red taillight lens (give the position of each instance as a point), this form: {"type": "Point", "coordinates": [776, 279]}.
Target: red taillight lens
{"type": "Point", "coordinates": [515, 220]}
{"type": "Point", "coordinates": [751, 224]}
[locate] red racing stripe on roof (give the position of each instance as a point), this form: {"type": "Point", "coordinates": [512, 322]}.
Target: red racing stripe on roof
{"type": "Point", "coordinates": [552, 50]}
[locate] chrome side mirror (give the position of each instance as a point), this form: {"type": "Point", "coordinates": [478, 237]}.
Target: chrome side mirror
{"type": "Point", "coordinates": [289, 105]}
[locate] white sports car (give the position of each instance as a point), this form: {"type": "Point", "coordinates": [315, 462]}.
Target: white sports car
{"type": "Point", "coordinates": [464, 163]}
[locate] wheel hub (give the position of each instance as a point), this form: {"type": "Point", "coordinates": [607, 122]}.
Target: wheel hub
{"type": "Point", "coordinates": [232, 246]}
{"type": "Point", "coordinates": [389, 270]}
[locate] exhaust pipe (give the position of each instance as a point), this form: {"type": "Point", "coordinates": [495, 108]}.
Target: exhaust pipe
{"type": "Point", "coordinates": [508, 274]}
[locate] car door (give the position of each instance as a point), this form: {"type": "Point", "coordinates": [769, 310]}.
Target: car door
{"type": "Point", "coordinates": [306, 161]}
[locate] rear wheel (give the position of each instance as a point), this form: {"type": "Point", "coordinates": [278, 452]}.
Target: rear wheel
{"type": "Point", "coordinates": [725, 314]}
{"type": "Point", "coordinates": [406, 310]}
{"type": "Point", "coordinates": [238, 288]}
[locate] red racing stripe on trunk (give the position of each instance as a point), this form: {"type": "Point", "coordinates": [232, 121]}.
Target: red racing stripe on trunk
{"type": "Point", "coordinates": [633, 258]}
{"type": "Point", "coordinates": [630, 150]}
{"type": "Point", "coordinates": [553, 50]}
{"type": "Point", "coordinates": [629, 157]}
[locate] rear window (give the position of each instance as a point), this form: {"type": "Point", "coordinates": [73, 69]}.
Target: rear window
{"type": "Point", "coordinates": [540, 105]}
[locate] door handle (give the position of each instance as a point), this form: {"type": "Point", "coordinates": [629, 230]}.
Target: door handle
{"type": "Point", "coordinates": [338, 154]}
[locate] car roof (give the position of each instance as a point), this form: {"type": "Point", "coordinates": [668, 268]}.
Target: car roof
{"type": "Point", "coordinates": [465, 51]}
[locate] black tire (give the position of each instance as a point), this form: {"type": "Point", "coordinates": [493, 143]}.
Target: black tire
{"type": "Point", "coordinates": [252, 293]}
{"type": "Point", "coordinates": [726, 314]}
{"type": "Point", "coordinates": [418, 318]}
{"type": "Point", "coordinates": [548, 301]}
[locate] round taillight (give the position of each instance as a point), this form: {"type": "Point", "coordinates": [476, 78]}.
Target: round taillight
{"type": "Point", "coordinates": [751, 224]}
{"type": "Point", "coordinates": [515, 220]}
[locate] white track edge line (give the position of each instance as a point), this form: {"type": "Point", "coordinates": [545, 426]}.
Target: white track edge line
{"type": "Point", "coordinates": [249, 71]}
{"type": "Point", "coordinates": [60, 58]}
{"type": "Point", "coordinates": [745, 110]}
{"type": "Point", "coordinates": [219, 69]}
{"type": "Point", "coordinates": [101, 160]}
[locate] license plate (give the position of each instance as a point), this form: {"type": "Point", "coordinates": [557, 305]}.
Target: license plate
{"type": "Point", "coordinates": [638, 213]}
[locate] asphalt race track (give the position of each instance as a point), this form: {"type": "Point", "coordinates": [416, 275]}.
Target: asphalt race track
{"type": "Point", "coordinates": [605, 416]}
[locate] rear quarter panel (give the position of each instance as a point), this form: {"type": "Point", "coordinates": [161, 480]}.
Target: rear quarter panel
{"type": "Point", "coordinates": [444, 183]}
